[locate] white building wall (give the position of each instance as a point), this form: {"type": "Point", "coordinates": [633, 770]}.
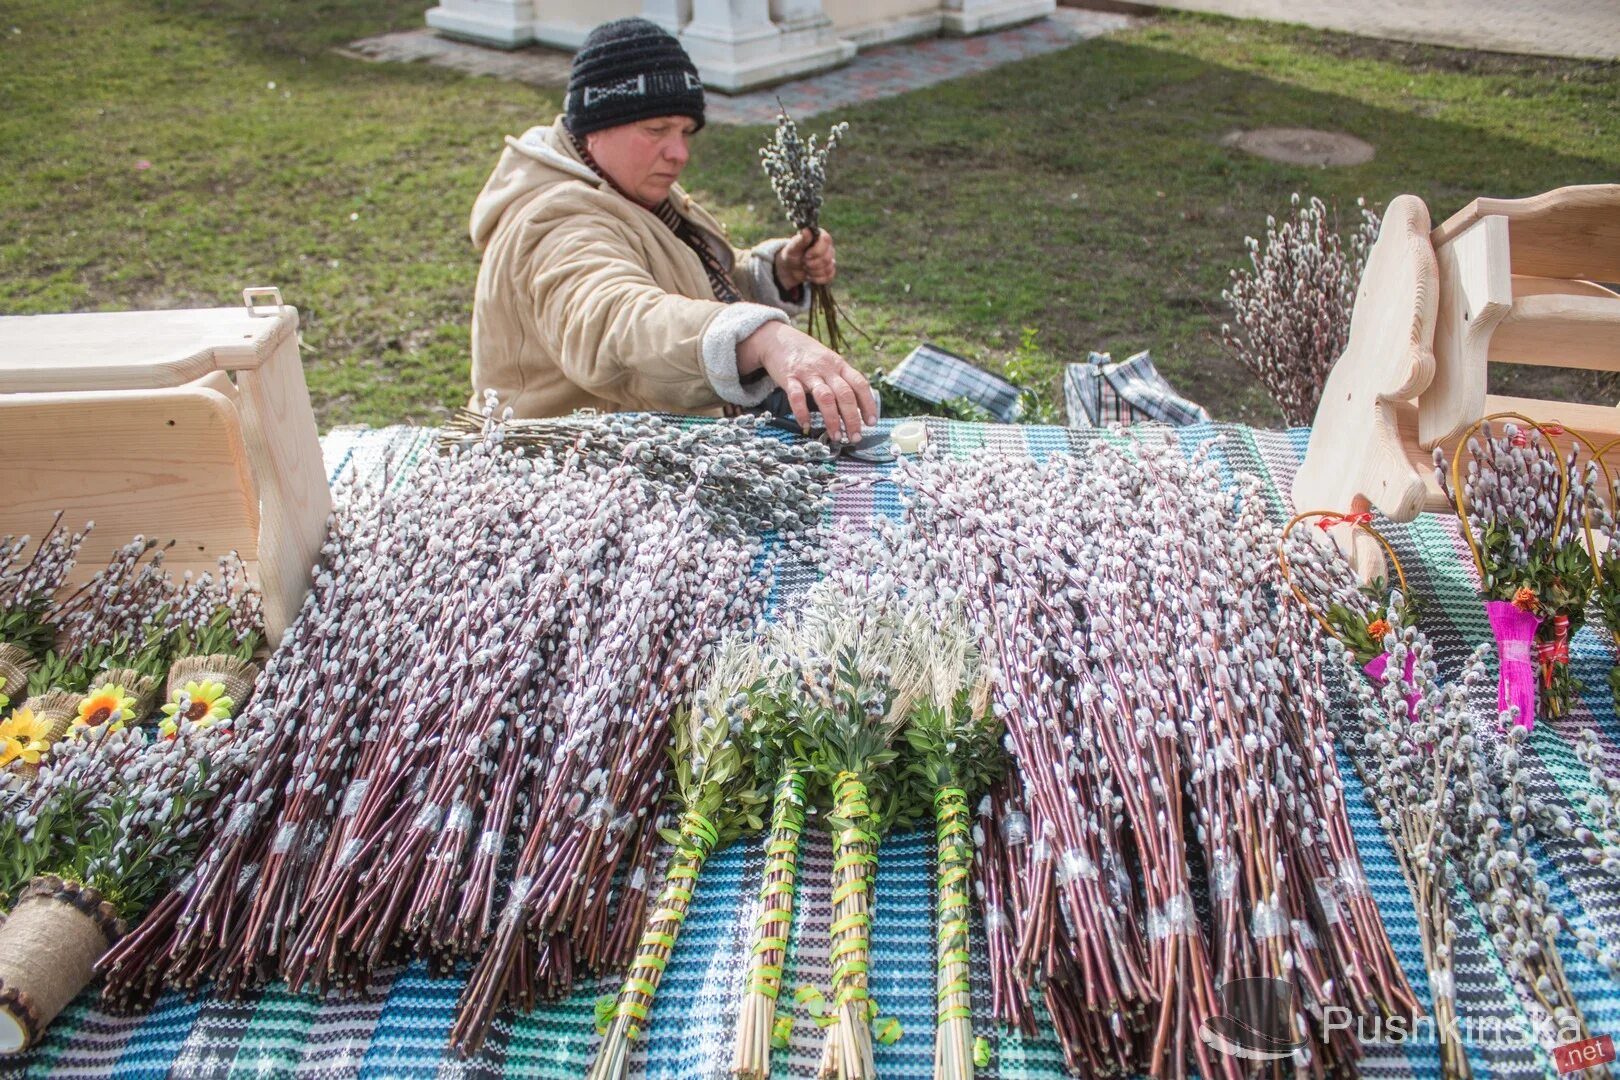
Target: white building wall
{"type": "Point", "coordinates": [737, 44]}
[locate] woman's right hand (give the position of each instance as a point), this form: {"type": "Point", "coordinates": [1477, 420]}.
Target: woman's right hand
{"type": "Point", "coordinates": [806, 369]}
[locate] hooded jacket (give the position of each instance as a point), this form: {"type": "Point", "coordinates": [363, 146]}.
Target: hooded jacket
{"type": "Point", "coordinates": [586, 300]}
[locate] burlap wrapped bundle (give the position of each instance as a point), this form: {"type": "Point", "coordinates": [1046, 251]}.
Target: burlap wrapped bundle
{"type": "Point", "coordinates": [15, 667]}
{"type": "Point", "coordinates": [237, 675]}
{"type": "Point", "coordinates": [58, 709]}
{"type": "Point", "coordinates": [49, 946]}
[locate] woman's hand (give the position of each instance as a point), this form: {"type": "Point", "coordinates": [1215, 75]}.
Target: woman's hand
{"type": "Point", "coordinates": [807, 258]}
{"type": "Point", "coordinates": [805, 368]}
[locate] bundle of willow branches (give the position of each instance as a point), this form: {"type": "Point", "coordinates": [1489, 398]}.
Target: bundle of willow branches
{"type": "Point", "coordinates": [717, 795]}
{"type": "Point", "coordinates": [744, 481]}
{"type": "Point", "coordinates": [1525, 505]}
{"type": "Point", "coordinates": [464, 769]}
{"type": "Point", "coordinates": [797, 170]}
{"type": "Point", "coordinates": [1165, 724]}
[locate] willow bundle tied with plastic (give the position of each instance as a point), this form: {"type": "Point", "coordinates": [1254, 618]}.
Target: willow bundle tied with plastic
{"type": "Point", "coordinates": [1144, 666]}
{"type": "Point", "coordinates": [797, 169]}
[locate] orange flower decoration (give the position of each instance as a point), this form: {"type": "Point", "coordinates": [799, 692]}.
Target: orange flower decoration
{"type": "Point", "coordinates": [1525, 600]}
{"type": "Point", "coordinates": [109, 704]}
{"type": "Point", "coordinates": [1377, 629]}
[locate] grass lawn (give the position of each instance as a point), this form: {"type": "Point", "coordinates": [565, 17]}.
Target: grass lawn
{"type": "Point", "coordinates": [1084, 194]}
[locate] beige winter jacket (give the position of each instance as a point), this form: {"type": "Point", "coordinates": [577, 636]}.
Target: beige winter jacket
{"type": "Point", "coordinates": [586, 300]}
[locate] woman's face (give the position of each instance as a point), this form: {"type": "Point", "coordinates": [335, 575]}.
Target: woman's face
{"type": "Point", "coordinates": [646, 157]}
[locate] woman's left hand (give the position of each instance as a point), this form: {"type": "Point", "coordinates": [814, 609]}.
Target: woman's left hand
{"type": "Point", "coordinates": [805, 259]}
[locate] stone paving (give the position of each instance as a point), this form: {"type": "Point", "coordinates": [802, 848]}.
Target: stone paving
{"type": "Point", "coordinates": [875, 73]}
{"type": "Point", "coordinates": [887, 70]}
{"type": "Point", "coordinates": [1581, 29]}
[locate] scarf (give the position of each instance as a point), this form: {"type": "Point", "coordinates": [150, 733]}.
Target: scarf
{"type": "Point", "coordinates": [725, 290]}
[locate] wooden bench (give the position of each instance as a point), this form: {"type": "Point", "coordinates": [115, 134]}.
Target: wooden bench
{"type": "Point", "coordinates": [1518, 281]}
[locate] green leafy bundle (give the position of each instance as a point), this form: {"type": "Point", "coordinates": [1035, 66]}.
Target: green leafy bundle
{"type": "Point", "coordinates": [718, 798]}
{"type": "Point", "coordinates": [955, 757]}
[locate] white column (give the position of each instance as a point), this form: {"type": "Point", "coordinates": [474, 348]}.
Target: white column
{"type": "Point", "coordinates": [965, 17]}
{"type": "Point", "coordinates": [506, 24]}
{"type": "Point", "coordinates": [672, 15]}
{"type": "Point", "coordinates": [798, 16]}
{"type": "Point", "coordinates": [737, 46]}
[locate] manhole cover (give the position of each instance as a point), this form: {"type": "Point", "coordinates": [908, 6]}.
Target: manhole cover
{"type": "Point", "coordinates": [1302, 146]}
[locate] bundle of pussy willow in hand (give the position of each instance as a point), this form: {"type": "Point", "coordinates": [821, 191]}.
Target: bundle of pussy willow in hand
{"type": "Point", "coordinates": [797, 170]}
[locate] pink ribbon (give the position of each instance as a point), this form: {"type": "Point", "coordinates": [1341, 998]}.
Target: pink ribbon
{"type": "Point", "coordinates": [1375, 671]}
{"type": "Point", "coordinates": [1515, 631]}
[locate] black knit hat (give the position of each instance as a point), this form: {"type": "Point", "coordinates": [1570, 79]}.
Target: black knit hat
{"type": "Point", "coordinates": [628, 70]}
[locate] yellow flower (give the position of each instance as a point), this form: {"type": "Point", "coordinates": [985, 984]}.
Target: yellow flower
{"type": "Point", "coordinates": [109, 704]}
{"type": "Point", "coordinates": [200, 702]}
{"type": "Point", "coordinates": [22, 737]}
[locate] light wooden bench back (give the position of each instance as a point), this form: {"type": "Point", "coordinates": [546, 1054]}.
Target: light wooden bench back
{"type": "Point", "coordinates": [132, 420]}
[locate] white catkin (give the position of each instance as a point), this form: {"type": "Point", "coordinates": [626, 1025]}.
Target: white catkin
{"type": "Point", "coordinates": [1073, 865]}
{"type": "Point", "coordinates": [353, 797]}
{"type": "Point", "coordinates": [995, 920]}
{"type": "Point", "coordinates": [284, 839]}
{"type": "Point", "coordinates": [1304, 934]}
{"type": "Point", "coordinates": [1015, 829]}
{"type": "Point", "coordinates": [490, 842]}
{"type": "Point", "coordinates": [638, 880]}
{"type": "Point", "coordinates": [459, 819]}
{"type": "Point", "coordinates": [350, 850]}
{"type": "Point", "coordinates": [246, 877]}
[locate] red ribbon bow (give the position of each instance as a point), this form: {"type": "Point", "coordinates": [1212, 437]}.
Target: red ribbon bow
{"type": "Point", "coordinates": [1328, 521]}
{"type": "Point", "coordinates": [1552, 431]}
{"type": "Point", "coordinates": [1556, 651]}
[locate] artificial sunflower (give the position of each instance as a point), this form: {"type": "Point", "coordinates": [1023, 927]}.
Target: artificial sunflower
{"type": "Point", "coordinates": [23, 737]}
{"type": "Point", "coordinates": [108, 704]}
{"type": "Point", "coordinates": [200, 702]}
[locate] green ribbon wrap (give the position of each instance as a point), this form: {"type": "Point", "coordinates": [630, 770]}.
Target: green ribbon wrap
{"type": "Point", "coordinates": [855, 853]}
{"type": "Point", "coordinates": [777, 890]}
{"type": "Point", "coordinates": [697, 839]}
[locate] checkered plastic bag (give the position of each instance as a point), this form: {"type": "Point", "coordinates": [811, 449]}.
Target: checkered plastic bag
{"type": "Point", "coordinates": [933, 375]}
{"type": "Point", "coordinates": [1100, 392]}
